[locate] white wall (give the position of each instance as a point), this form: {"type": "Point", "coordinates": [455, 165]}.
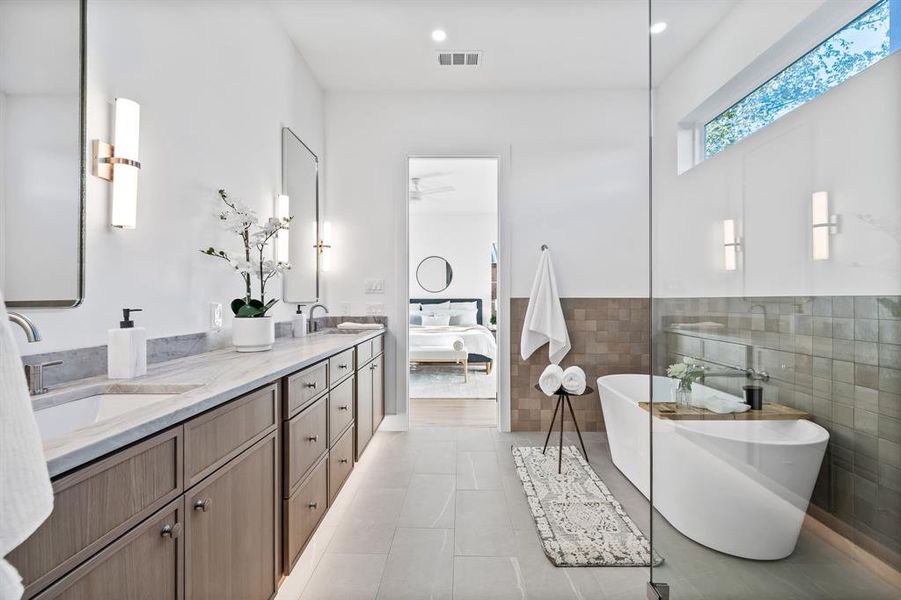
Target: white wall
{"type": "Point", "coordinates": [464, 240]}
{"type": "Point", "coordinates": [573, 175]}
{"type": "Point", "coordinates": [216, 82]}
{"type": "Point", "coordinates": [846, 142]}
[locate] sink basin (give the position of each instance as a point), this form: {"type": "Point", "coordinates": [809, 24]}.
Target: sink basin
{"type": "Point", "coordinates": [97, 404]}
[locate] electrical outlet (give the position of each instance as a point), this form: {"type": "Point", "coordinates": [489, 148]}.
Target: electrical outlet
{"type": "Point", "coordinates": [215, 315]}
{"type": "Point", "coordinates": [374, 286]}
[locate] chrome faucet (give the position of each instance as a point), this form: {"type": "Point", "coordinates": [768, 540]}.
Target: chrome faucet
{"type": "Point", "coordinates": [312, 325]}
{"type": "Point", "coordinates": [32, 333]}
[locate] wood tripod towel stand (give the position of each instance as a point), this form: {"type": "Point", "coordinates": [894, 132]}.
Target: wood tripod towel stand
{"type": "Point", "coordinates": [563, 397]}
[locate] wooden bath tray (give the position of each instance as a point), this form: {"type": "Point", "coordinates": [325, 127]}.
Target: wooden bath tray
{"type": "Point", "coordinates": [770, 412]}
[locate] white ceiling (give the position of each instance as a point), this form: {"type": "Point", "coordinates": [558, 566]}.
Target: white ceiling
{"type": "Point", "coordinates": [474, 181]}
{"type": "Point", "coordinates": [386, 45]}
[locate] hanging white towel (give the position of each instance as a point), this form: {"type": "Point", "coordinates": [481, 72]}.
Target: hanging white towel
{"type": "Point", "coordinates": [544, 322]}
{"type": "Point", "coordinates": [574, 380]}
{"type": "Point", "coordinates": [551, 379]}
{"type": "Point", "coordinates": [26, 497]}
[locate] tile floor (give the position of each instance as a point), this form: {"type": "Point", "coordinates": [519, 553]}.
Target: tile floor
{"type": "Point", "coordinates": [439, 513]}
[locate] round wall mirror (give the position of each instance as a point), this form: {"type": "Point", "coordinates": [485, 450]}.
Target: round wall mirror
{"type": "Point", "coordinates": [434, 274]}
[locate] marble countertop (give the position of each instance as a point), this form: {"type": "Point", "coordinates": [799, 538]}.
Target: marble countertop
{"type": "Point", "coordinates": [200, 382]}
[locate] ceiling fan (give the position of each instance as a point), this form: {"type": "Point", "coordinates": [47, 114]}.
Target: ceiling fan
{"type": "Point", "coordinates": [417, 192]}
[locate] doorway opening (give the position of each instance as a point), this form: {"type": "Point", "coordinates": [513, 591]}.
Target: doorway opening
{"type": "Point", "coordinates": [453, 283]}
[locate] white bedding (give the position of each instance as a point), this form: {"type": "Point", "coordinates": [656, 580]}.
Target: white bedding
{"type": "Point", "coordinates": [476, 338]}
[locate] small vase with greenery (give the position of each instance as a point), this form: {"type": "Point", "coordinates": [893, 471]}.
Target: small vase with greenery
{"type": "Point", "coordinates": [686, 372]}
{"type": "Point", "coordinates": [251, 263]}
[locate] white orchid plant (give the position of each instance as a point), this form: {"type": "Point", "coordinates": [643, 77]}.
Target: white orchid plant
{"type": "Point", "coordinates": [687, 372]}
{"type": "Point", "coordinates": [250, 262]}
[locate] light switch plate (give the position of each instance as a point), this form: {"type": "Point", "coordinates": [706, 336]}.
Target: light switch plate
{"type": "Point", "coordinates": [374, 286]}
{"type": "Point", "coordinates": [215, 315]}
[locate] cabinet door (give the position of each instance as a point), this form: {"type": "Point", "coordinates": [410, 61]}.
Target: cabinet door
{"type": "Point", "coordinates": [364, 409]}
{"type": "Point", "coordinates": [144, 564]}
{"type": "Point", "coordinates": [231, 533]}
{"type": "Point", "coordinates": [378, 392]}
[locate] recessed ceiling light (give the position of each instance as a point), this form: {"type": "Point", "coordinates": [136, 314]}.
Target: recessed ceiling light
{"type": "Point", "coordinates": [439, 35]}
{"type": "Point", "coordinates": [658, 27]}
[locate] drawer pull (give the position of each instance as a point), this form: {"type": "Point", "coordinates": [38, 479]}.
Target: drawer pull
{"type": "Point", "coordinates": [342, 366]}
{"type": "Point", "coordinates": [342, 407]}
{"type": "Point", "coordinates": [311, 385]}
{"type": "Point", "coordinates": [343, 461]}
{"type": "Point", "coordinates": [313, 438]}
{"type": "Point", "coordinates": [313, 505]}
{"type": "Point", "coordinates": [202, 504]}
{"type": "Point", "coordinates": [373, 367]}
{"type": "Point", "coordinates": [170, 531]}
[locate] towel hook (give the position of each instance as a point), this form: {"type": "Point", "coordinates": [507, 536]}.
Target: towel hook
{"type": "Point", "coordinates": [544, 247]}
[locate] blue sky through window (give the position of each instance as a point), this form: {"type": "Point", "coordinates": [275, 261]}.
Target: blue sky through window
{"type": "Point", "coordinates": [864, 41]}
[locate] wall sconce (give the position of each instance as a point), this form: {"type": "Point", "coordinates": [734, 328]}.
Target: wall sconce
{"type": "Point", "coordinates": [118, 163]}
{"type": "Point", "coordinates": [731, 245]}
{"type": "Point", "coordinates": [823, 225]}
{"type": "Point", "coordinates": [323, 246]}
{"type": "Point", "coordinates": [282, 246]}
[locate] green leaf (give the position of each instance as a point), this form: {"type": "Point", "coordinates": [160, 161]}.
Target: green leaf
{"type": "Point", "coordinates": [237, 304]}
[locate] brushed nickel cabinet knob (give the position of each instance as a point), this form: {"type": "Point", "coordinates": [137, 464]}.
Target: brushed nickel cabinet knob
{"type": "Point", "coordinates": [313, 438]}
{"type": "Point", "coordinates": [202, 504]}
{"type": "Point", "coordinates": [313, 505]}
{"type": "Point", "coordinates": [170, 531]}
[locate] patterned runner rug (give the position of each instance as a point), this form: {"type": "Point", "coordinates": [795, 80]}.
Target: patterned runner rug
{"type": "Point", "coordinates": [579, 521]}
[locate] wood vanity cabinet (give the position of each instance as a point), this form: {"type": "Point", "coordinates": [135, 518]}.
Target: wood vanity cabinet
{"type": "Point", "coordinates": [370, 396]}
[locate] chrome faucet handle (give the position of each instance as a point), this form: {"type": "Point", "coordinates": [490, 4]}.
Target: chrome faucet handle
{"type": "Point", "coordinates": [34, 375]}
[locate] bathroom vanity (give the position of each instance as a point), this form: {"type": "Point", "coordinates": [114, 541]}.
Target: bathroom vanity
{"type": "Point", "coordinates": [211, 492]}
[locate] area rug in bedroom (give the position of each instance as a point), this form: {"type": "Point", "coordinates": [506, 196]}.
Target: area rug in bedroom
{"type": "Point", "coordinates": [579, 521]}
{"type": "Point", "coordinates": [440, 381]}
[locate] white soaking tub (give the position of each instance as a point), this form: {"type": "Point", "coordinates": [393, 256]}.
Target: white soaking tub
{"type": "Point", "coordinates": [739, 487]}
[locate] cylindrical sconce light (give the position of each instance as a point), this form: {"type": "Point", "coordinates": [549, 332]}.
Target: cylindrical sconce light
{"type": "Point", "coordinates": [823, 225]}
{"type": "Point", "coordinates": [731, 245]}
{"type": "Point", "coordinates": [118, 162]}
{"type": "Point", "coordinates": [282, 240]}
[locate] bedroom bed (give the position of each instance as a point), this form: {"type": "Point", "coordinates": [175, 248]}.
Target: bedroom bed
{"type": "Point", "coordinates": [434, 343]}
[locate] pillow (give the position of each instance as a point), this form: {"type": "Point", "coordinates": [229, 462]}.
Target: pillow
{"type": "Point", "coordinates": [437, 308]}
{"type": "Point", "coordinates": [436, 320]}
{"type": "Point", "coordinates": [415, 307]}
{"type": "Point", "coordinates": [415, 318]}
{"type": "Point", "coordinates": [463, 317]}
{"type": "Point", "coordinates": [464, 306]}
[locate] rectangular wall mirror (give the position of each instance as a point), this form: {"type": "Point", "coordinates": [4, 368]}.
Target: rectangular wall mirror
{"type": "Point", "coordinates": [300, 183]}
{"type": "Point", "coordinates": [42, 117]}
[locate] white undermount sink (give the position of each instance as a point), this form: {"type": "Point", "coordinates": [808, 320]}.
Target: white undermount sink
{"type": "Point", "coordinates": [96, 404]}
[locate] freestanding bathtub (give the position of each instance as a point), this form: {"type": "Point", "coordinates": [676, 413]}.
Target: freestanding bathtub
{"type": "Point", "coordinates": [739, 487]}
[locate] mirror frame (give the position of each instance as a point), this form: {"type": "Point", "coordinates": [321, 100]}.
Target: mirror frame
{"type": "Point", "coordinates": [288, 130]}
{"type": "Point", "coordinates": [82, 161]}
{"type": "Point", "coordinates": [447, 266]}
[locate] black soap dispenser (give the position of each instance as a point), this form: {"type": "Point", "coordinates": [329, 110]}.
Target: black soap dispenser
{"type": "Point", "coordinates": [126, 349]}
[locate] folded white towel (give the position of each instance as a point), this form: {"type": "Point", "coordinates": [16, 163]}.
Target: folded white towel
{"type": "Point", "coordinates": [574, 380]}
{"type": "Point", "coordinates": [26, 497]}
{"type": "Point", "coordinates": [352, 325]}
{"type": "Point", "coordinates": [722, 406]}
{"type": "Point", "coordinates": [544, 322]}
{"type": "Point", "coordinates": [459, 345]}
{"type": "Point", "coordinates": [551, 379]}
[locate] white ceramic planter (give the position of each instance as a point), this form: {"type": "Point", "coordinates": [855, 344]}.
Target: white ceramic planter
{"type": "Point", "coordinates": [253, 334]}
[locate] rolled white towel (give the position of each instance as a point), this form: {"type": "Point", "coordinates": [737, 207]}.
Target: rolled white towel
{"type": "Point", "coordinates": [574, 380]}
{"type": "Point", "coordinates": [459, 345]}
{"type": "Point", "coordinates": [551, 379]}
{"type": "Point", "coordinates": [723, 406]}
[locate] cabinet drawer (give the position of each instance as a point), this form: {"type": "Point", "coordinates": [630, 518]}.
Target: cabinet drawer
{"type": "Point", "coordinates": [145, 564]}
{"type": "Point", "coordinates": [364, 353]}
{"type": "Point", "coordinates": [378, 345]}
{"type": "Point", "coordinates": [305, 386]}
{"type": "Point", "coordinates": [98, 503]}
{"type": "Point", "coordinates": [306, 440]}
{"type": "Point", "coordinates": [216, 437]}
{"type": "Point", "coordinates": [341, 365]}
{"type": "Point", "coordinates": [341, 409]}
{"type": "Point", "coordinates": [303, 511]}
{"type": "Point", "coordinates": [340, 463]}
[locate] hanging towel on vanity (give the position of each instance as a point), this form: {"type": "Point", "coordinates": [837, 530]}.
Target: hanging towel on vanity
{"type": "Point", "coordinates": [26, 497]}
{"type": "Point", "coordinates": [544, 323]}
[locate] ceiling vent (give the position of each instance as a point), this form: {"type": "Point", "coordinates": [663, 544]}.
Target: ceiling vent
{"type": "Point", "coordinates": [460, 58]}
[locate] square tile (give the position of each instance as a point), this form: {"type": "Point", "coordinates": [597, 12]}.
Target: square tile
{"type": "Point", "coordinates": [429, 502]}
{"type": "Point", "coordinates": [481, 509]}
{"type": "Point", "coordinates": [330, 580]}
{"type": "Point", "coordinates": [420, 565]}
{"type": "Point", "coordinates": [478, 471]}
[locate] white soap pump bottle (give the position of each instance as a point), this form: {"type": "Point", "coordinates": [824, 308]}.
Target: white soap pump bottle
{"type": "Point", "coordinates": [126, 350]}
{"type": "Point", "coordinates": [299, 323]}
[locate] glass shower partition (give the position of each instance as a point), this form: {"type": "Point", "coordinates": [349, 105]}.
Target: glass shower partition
{"type": "Point", "coordinates": [773, 434]}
